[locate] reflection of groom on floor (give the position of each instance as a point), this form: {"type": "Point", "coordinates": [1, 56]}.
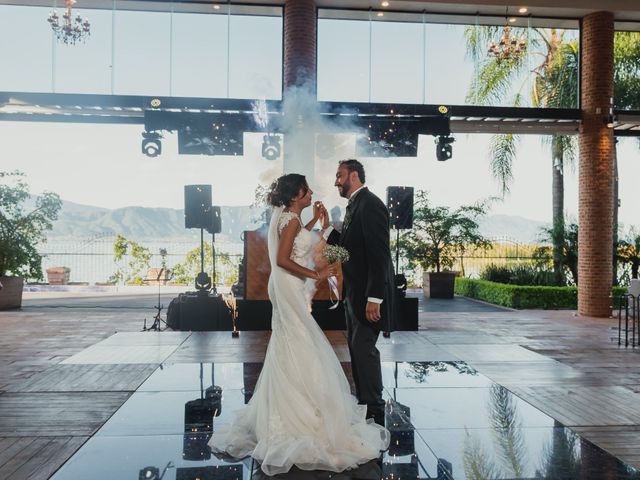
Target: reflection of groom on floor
{"type": "Point", "coordinates": [368, 282]}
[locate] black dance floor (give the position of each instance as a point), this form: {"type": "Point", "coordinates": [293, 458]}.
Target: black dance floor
{"type": "Point", "coordinates": [447, 422]}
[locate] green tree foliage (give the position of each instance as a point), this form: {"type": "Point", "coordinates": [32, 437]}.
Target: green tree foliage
{"type": "Point", "coordinates": [628, 253]}
{"type": "Point", "coordinates": [440, 234]}
{"type": "Point", "coordinates": [137, 260]}
{"type": "Point", "coordinates": [566, 237]}
{"type": "Point", "coordinates": [226, 268]}
{"type": "Point", "coordinates": [20, 230]}
{"type": "Point", "coordinates": [550, 72]}
{"type": "Point", "coordinates": [626, 73]}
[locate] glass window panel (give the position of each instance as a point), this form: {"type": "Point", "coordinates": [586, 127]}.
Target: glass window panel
{"type": "Point", "coordinates": [255, 57]}
{"type": "Point", "coordinates": [26, 53]}
{"type": "Point", "coordinates": [546, 77]}
{"type": "Point", "coordinates": [396, 62]}
{"type": "Point", "coordinates": [343, 60]}
{"type": "Point", "coordinates": [626, 65]}
{"type": "Point", "coordinates": [141, 53]}
{"type": "Point", "coordinates": [448, 72]}
{"type": "Point", "coordinates": [199, 55]}
{"type": "Point", "coordinates": [86, 67]}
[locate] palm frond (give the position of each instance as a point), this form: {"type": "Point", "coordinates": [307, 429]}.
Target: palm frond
{"type": "Point", "coordinates": [626, 71]}
{"type": "Point", "coordinates": [477, 464]}
{"type": "Point", "coordinates": [507, 430]}
{"type": "Point", "coordinates": [502, 151]}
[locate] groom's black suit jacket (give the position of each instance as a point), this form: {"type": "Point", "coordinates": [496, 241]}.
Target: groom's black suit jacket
{"type": "Point", "coordinates": [369, 271]}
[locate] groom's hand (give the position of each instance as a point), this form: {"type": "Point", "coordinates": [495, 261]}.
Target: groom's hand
{"type": "Point", "coordinates": [372, 312]}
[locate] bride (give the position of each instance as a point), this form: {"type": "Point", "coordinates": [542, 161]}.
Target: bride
{"type": "Point", "coordinates": [302, 412]}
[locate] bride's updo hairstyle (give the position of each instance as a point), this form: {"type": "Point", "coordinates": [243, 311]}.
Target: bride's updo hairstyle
{"type": "Point", "coordinates": [286, 188]}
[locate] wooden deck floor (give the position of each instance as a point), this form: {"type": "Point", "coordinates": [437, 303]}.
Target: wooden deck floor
{"type": "Point", "coordinates": [53, 397]}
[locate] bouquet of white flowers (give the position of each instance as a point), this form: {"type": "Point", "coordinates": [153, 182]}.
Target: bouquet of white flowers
{"type": "Point", "coordinates": [335, 254]}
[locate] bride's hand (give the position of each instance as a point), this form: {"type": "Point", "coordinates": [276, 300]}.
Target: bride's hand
{"type": "Point", "coordinates": [324, 218]}
{"type": "Point", "coordinates": [327, 271]}
{"type": "Point", "coordinates": [317, 210]}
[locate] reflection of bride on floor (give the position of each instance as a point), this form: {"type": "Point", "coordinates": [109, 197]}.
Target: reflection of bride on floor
{"type": "Point", "coordinates": [302, 412]}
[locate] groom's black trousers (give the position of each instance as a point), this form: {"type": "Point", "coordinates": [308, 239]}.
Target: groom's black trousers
{"type": "Point", "coordinates": [365, 361]}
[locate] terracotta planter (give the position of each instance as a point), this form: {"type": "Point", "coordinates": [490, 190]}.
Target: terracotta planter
{"type": "Point", "coordinates": [58, 275]}
{"type": "Point", "coordinates": [154, 277]}
{"type": "Point", "coordinates": [438, 284]}
{"type": "Point", "coordinates": [11, 293]}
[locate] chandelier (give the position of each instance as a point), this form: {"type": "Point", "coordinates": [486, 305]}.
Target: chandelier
{"type": "Point", "coordinates": [72, 30]}
{"type": "Point", "coordinates": [509, 47]}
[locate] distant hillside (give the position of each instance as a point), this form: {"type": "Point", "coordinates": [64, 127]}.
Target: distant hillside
{"type": "Point", "coordinates": [520, 229]}
{"type": "Point", "coordinates": [82, 221]}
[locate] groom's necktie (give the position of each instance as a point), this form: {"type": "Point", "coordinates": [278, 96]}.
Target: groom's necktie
{"type": "Point", "coordinates": [347, 217]}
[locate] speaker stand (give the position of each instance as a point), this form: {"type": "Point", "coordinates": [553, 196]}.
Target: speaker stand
{"type": "Point", "coordinates": [397, 249]}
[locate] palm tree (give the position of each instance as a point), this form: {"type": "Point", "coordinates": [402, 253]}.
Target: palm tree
{"type": "Point", "coordinates": [553, 63]}
{"type": "Point", "coordinates": [550, 74]}
{"type": "Point", "coordinates": [626, 96]}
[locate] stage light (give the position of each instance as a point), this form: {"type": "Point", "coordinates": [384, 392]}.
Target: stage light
{"type": "Point", "coordinates": [151, 145]}
{"type": "Point", "coordinates": [203, 282]}
{"type": "Point", "coordinates": [271, 147]}
{"type": "Point", "coordinates": [149, 473]}
{"type": "Point", "coordinates": [444, 149]}
{"type": "Point", "coordinates": [401, 284]}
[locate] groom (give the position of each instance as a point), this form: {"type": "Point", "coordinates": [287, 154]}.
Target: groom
{"type": "Point", "coordinates": [368, 281]}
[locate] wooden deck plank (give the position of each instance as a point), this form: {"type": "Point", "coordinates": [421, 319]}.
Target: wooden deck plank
{"type": "Point", "coordinates": [40, 457]}
{"type": "Point", "coordinates": [72, 377]}
{"type": "Point", "coordinates": [53, 414]}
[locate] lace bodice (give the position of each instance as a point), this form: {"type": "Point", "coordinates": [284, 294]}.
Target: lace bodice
{"type": "Point", "coordinates": [302, 244]}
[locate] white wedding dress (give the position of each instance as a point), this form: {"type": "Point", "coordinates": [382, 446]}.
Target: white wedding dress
{"type": "Point", "coordinates": [302, 412]}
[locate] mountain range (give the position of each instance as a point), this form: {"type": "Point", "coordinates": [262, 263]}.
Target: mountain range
{"type": "Point", "coordinates": [143, 223]}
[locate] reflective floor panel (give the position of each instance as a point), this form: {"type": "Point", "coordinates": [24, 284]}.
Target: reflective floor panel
{"type": "Point", "coordinates": [446, 420]}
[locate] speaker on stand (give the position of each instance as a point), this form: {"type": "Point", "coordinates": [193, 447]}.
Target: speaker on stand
{"type": "Point", "coordinates": [205, 309]}
{"type": "Point", "coordinates": [215, 226]}
{"type": "Point", "coordinates": [400, 206]}
{"type": "Point", "coordinates": [197, 214]}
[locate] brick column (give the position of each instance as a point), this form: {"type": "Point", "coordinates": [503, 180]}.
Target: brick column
{"type": "Point", "coordinates": [299, 58]}
{"type": "Point", "coordinates": [595, 271]}
{"type": "Point", "coordinates": [300, 28]}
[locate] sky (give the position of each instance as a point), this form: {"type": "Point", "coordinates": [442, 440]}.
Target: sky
{"type": "Point", "coordinates": [102, 165]}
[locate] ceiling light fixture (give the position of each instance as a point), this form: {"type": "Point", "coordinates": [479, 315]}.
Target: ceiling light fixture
{"type": "Point", "coordinates": [508, 47]}
{"type": "Point", "coordinates": [72, 30]}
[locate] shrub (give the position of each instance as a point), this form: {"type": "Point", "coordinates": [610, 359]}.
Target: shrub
{"type": "Point", "coordinates": [518, 274]}
{"type": "Point", "coordinates": [522, 297]}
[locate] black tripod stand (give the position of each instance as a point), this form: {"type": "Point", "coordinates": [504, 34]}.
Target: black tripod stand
{"type": "Point", "coordinates": [157, 319]}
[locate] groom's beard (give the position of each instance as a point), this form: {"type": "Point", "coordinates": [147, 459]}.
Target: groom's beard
{"type": "Point", "coordinates": [344, 189]}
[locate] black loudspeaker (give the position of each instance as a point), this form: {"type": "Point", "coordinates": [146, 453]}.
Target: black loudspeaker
{"type": "Point", "coordinates": [406, 313]}
{"type": "Point", "coordinates": [216, 221]}
{"type": "Point", "coordinates": [197, 206]}
{"type": "Point", "coordinates": [400, 205]}
{"type": "Point", "coordinates": [204, 313]}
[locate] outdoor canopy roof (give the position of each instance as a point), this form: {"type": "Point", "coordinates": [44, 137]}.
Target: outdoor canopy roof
{"type": "Point", "coordinates": [20, 106]}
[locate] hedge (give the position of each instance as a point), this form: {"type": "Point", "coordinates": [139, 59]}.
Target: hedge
{"type": "Point", "coordinates": [520, 296]}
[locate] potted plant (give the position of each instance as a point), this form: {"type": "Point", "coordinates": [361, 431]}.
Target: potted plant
{"type": "Point", "coordinates": [438, 236]}
{"type": "Point", "coordinates": [21, 230]}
